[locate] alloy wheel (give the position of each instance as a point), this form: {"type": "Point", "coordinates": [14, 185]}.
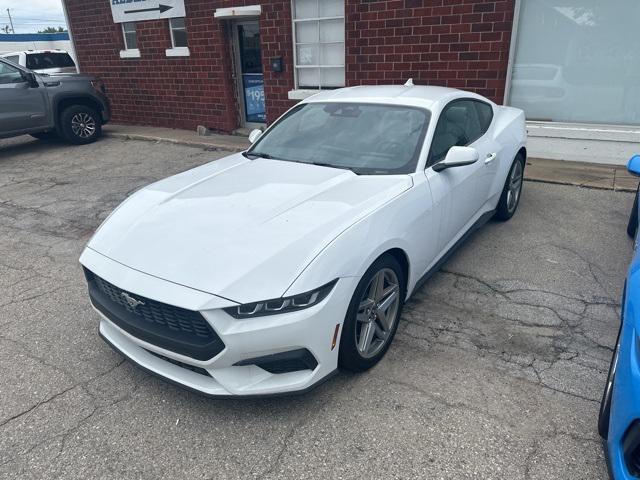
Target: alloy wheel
{"type": "Point", "coordinates": [377, 313]}
{"type": "Point", "coordinates": [515, 186]}
{"type": "Point", "coordinates": [83, 125]}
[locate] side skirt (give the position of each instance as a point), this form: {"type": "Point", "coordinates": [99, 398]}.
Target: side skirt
{"type": "Point", "coordinates": [484, 218]}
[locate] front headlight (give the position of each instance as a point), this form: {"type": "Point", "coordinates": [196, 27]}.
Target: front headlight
{"type": "Point", "coordinates": [280, 305]}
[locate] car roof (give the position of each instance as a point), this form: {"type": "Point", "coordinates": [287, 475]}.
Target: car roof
{"type": "Point", "coordinates": [411, 95]}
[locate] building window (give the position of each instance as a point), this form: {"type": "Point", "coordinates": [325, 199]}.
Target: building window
{"type": "Point", "coordinates": [178, 32]}
{"type": "Point", "coordinates": [318, 32]}
{"type": "Point", "coordinates": [577, 62]}
{"type": "Point", "coordinates": [130, 36]}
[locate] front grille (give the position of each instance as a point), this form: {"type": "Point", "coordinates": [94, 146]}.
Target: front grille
{"type": "Point", "coordinates": [631, 448]}
{"type": "Point", "coordinates": [173, 318]}
{"type": "Point", "coordinates": [176, 329]}
{"type": "Point", "coordinates": [193, 368]}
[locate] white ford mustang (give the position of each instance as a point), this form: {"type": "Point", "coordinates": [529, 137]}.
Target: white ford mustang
{"type": "Point", "coordinates": [266, 271]}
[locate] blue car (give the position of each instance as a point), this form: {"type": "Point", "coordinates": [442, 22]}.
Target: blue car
{"type": "Point", "coordinates": [619, 419]}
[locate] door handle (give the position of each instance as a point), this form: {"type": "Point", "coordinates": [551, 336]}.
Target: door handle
{"type": "Point", "coordinates": [490, 158]}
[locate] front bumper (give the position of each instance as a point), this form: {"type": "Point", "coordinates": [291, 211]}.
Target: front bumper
{"type": "Point", "coordinates": [625, 406]}
{"type": "Point", "coordinates": [311, 329]}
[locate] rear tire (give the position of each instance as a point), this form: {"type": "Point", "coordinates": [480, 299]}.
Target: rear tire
{"type": "Point", "coordinates": [80, 124]}
{"type": "Point", "coordinates": [373, 315]}
{"type": "Point", "coordinates": [632, 226]}
{"type": "Point", "coordinates": [512, 190]}
{"type": "Point", "coordinates": [605, 404]}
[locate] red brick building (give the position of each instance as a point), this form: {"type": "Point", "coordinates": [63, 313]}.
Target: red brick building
{"type": "Point", "coordinates": [214, 65]}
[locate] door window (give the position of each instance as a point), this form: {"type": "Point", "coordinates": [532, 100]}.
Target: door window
{"type": "Point", "coordinates": [9, 74]}
{"type": "Point", "coordinates": [461, 123]}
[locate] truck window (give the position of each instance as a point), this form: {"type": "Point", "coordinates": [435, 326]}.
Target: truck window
{"type": "Point", "coordinates": [38, 61]}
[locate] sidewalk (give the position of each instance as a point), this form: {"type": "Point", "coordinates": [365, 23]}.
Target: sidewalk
{"type": "Point", "coordinates": [587, 175]}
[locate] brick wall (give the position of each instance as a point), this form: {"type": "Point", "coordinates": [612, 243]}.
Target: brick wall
{"type": "Point", "coordinates": [179, 92]}
{"type": "Point", "coordinates": [456, 43]}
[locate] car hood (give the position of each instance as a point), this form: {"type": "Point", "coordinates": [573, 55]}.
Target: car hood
{"type": "Point", "coordinates": [66, 77]}
{"type": "Point", "coordinates": [57, 70]}
{"type": "Point", "coordinates": [237, 228]}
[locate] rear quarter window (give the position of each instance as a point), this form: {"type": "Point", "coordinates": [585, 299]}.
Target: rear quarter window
{"type": "Point", "coordinates": [485, 114]}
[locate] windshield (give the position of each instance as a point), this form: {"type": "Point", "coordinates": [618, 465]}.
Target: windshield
{"type": "Point", "coordinates": [39, 61]}
{"type": "Point", "coordinates": [366, 138]}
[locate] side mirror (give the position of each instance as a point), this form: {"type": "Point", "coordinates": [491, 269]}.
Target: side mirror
{"type": "Point", "coordinates": [458, 157]}
{"type": "Point", "coordinates": [255, 135]}
{"type": "Point", "coordinates": [634, 165]}
{"type": "Point", "coordinates": [31, 79]}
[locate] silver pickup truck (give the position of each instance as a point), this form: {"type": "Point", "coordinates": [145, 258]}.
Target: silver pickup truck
{"type": "Point", "coordinates": [72, 106]}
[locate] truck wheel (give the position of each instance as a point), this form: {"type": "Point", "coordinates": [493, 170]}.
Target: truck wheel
{"type": "Point", "coordinates": [80, 124]}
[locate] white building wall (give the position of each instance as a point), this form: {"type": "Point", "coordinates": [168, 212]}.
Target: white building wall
{"type": "Point", "coordinates": [6, 47]}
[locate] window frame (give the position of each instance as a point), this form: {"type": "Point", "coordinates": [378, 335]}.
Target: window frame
{"type": "Point", "coordinates": [319, 67]}
{"type": "Point", "coordinates": [124, 35]}
{"type": "Point", "coordinates": [172, 29]}
{"type": "Point", "coordinates": [475, 101]}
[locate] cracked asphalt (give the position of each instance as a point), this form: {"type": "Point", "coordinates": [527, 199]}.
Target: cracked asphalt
{"type": "Point", "coordinates": [496, 371]}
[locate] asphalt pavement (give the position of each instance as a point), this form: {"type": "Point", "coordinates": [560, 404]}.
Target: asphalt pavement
{"type": "Point", "coordinates": [496, 371]}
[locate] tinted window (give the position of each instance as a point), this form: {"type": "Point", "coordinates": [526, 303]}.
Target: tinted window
{"type": "Point", "coordinates": [38, 61]}
{"type": "Point", "coordinates": [365, 138]}
{"type": "Point", "coordinates": [9, 74]}
{"type": "Point", "coordinates": [13, 58]}
{"type": "Point", "coordinates": [460, 124]}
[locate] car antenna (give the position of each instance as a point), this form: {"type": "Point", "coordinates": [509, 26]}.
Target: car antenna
{"type": "Point", "coordinates": [409, 83]}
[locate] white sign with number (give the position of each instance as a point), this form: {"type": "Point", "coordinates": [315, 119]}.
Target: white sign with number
{"type": "Point", "coordinates": [138, 10]}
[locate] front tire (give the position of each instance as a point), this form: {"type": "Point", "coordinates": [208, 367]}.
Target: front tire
{"type": "Point", "coordinates": [373, 314]}
{"type": "Point", "coordinates": [512, 190]}
{"type": "Point", "coordinates": [605, 404]}
{"type": "Point", "coordinates": [80, 124]}
{"type": "Point", "coordinates": [632, 226]}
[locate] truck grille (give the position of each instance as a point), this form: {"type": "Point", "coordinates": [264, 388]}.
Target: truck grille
{"type": "Point", "coordinates": [176, 329]}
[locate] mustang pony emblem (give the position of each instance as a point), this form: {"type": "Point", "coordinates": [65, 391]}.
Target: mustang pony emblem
{"type": "Point", "coordinates": [133, 303]}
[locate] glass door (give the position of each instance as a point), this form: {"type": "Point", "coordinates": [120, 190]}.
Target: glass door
{"type": "Point", "coordinates": [250, 74]}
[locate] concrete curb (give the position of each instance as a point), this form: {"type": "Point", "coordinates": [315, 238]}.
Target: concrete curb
{"type": "Point", "coordinates": [210, 146]}
{"type": "Point", "coordinates": [569, 183]}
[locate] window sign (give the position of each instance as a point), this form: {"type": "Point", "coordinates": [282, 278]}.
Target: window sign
{"type": "Point", "coordinates": [254, 97]}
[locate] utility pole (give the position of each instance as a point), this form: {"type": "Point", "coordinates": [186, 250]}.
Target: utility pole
{"type": "Point", "coordinates": [13, 30]}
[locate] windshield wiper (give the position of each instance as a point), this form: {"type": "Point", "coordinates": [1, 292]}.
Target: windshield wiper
{"type": "Point", "coordinates": [331, 165]}
{"type": "Point", "coordinates": [253, 156]}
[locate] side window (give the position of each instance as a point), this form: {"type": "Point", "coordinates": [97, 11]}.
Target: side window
{"type": "Point", "coordinates": [460, 124]}
{"type": "Point", "coordinates": [485, 113]}
{"type": "Point", "coordinates": [13, 58]}
{"type": "Point", "coordinates": [9, 74]}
